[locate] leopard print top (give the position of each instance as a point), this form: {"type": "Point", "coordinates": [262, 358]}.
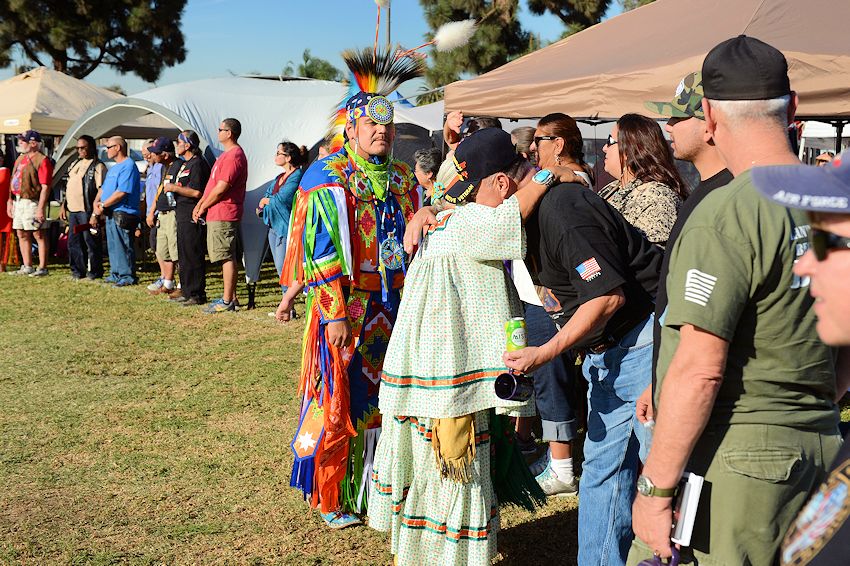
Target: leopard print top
{"type": "Point", "coordinates": [650, 207]}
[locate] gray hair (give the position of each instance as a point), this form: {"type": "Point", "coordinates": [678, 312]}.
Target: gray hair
{"type": "Point", "coordinates": [739, 112]}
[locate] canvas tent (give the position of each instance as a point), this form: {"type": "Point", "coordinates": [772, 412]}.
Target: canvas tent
{"type": "Point", "coordinates": [613, 67]}
{"type": "Point", "coordinates": [49, 101]}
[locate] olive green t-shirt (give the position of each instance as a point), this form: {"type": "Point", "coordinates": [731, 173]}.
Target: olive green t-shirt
{"type": "Point", "coordinates": [731, 275]}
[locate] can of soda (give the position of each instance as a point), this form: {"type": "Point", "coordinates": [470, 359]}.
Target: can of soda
{"type": "Point", "coordinates": [515, 333]}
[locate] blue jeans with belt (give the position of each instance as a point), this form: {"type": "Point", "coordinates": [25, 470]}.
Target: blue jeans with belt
{"type": "Point", "coordinates": [616, 378]}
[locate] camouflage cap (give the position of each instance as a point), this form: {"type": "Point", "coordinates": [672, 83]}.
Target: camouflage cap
{"type": "Point", "coordinates": [688, 100]}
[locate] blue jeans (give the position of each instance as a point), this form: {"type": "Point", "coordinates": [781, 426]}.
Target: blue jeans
{"type": "Point", "coordinates": [85, 255]}
{"type": "Point", "coordinates": [277, 245]}
{"type": "Point", "coordinates": [122, 253]}
{"type": "Point", "coordinates": [553, 382]}
{"type": "Point", "coordinates": [616, 378]}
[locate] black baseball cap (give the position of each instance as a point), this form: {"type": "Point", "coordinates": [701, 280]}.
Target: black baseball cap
{"type": "Point", "coordinates": [483, 153]}
{"type": "Point", "coordinates": [745, 68]}
{"type": "Point", "coordinates": [160, 145]}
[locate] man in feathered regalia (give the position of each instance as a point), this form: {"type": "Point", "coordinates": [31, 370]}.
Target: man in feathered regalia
{"type": "Point", "coordinates": [345, 247]}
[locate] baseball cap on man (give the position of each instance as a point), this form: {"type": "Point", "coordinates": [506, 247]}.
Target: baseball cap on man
{"type": "Point", "coordinates": [30, 135]}
{"type": "Point", "coordinates": [160, 145]}
{"type": "Point", "coordinates": [687, 103]}
{"type": "Point", "coordinates": [745, 68]}
{"type": "Point", "coordinates": [484, 153]}
{"type": "Point", "coordinates": [818, 189]}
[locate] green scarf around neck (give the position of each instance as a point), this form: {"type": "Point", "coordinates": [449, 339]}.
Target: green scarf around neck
{"type": "Point", "coordinates": [376, 173]}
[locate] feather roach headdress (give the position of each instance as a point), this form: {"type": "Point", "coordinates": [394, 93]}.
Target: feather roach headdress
{"type": "Point", "coordinates": [373, 76]}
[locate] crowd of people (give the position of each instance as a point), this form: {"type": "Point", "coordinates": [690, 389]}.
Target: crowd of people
{"type": "Point", "coordinates": [695, 332]}
{"type": "Point", "coordinates": [705, 328]}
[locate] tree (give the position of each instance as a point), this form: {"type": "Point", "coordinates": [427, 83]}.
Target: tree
{"type": "Point", "coordinates": [498, 39]}
{"type": "Point", "coordinates": [632, 4]}
{"type": "Point", "coordinates": [75, 37]}
{"type": "Point", "coordinates": [576, 14]}
{"type": "Point", "coordinates": [314, 68]}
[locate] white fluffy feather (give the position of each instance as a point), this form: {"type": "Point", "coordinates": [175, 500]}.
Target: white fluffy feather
{"type": "Point", "coordinates": [382, 3]}
{"type": "Point", "coordinates": [452, 35]}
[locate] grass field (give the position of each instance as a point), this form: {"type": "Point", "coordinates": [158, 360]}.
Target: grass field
{"type": "Point", "coordinates": [134, 431]}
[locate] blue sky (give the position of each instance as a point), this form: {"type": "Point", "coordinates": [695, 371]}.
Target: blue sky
{"type": "Point", "coordinates": [226, 36]}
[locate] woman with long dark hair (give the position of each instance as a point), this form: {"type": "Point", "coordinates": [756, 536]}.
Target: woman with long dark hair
{"type": "Point", "coordinates": [275, 207]}
{"type": "Point", "coordinates": [647, 188]}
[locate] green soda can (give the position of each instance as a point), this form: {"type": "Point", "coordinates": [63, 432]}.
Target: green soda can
{"type": "Point", "coordinates": [515, 333]}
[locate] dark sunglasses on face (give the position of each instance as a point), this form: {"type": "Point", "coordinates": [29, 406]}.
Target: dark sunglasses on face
{"type": "Point", "coordinates": [538, 139]}
{"type": "Point", "coordinates": [80, 147]}
{"type": "Point", "coordinates": [611, 141]}
{"type": "Point", "coordinates": [822, 242]}
{"type": "Point", "coordinates": [223, 130]}
{"type": "Point", "coordinates": [111, 146]}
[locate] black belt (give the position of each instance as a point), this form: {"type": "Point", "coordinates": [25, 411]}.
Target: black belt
{"type": "Point", "coordinates": [614, 338]}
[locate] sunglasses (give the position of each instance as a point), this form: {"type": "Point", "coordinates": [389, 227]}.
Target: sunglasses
{"type": "Point", "coordinates": [821, 242]}
{"type": "Point", "coordinates": [611, 141]}
{"type": "Point", "coordinates": [79, 147]}
{"type": "Point", "coordinates": [223, 130]}
{"type": "Point", "coordinates": [538, 139]}
{"type": "Point", "coordinates": [282, 154]}
{"type": "Point", "coordinates": [111, 146]}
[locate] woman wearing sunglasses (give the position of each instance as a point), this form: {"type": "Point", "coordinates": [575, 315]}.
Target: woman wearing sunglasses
{"type": "Point", "coordinates": [275, 207]}
{"type": "Point", "coordinates": [647, 189]}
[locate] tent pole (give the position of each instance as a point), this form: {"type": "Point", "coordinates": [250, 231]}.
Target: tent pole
{"type": "Point", "coordinates": [839, 129]}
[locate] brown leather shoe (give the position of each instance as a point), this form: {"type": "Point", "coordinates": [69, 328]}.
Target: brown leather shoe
{"type": "Point", "coordinates": [175, 294]}
{"type": "Point", "coordinates": [161, 291]}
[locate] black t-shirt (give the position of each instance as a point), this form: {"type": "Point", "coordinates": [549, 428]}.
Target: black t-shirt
{"type": "Point", "coordinates": [716, 181]}
{"type": "Point", "coordinates": [168, 176]}
{"type": "Point", "coordinates": [193, 174]}
{"type": "Point", "coordinates": [586, 249]}
{"type": "Point", "coordinates": [820, 536]}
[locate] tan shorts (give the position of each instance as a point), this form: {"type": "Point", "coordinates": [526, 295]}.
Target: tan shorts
{"type": "Point", "coordinates": [24, 218]}
{"type": "Point", "coordinates": [221, 240]}
{"type": "Point", "coordinates": [166, 236]}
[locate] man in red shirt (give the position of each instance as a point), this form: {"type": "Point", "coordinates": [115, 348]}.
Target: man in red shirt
{"type": "Point", "coordinates": [27, 204]}
{"type": "Point", "coordinates": [222, 203]}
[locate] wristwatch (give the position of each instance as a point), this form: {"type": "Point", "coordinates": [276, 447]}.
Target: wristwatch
{"type": "Point", "coordinates": [647, 488]}
{"type": "Point", "coordinates": [545, 177]}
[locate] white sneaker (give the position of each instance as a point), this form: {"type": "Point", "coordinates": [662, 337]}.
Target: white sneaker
{"type": "Point", "coordinates": [24, 270]}
{"type": "Point", "coordinates": [156, 285]}
{"type": "Point", "coordinates": [554, 487]}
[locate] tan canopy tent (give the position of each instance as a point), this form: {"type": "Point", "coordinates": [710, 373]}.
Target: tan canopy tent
{"type": "Point", "coordinates": [49, 101]}
{"type": "Point", "coordinates": [611, 68]}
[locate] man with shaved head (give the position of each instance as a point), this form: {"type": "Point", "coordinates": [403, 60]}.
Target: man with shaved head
{"type": "Point", "coordinates": [118, 201]}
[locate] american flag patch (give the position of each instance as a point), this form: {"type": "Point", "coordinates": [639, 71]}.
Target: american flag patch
{"type": "Point", "coordinates": [589, 270]}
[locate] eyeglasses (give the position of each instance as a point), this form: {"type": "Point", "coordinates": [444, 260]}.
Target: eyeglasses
{"type": "Point", "coordinates": [281, 153]}
{"type": "Point", "coordinates": [111, 146]}
{"type": "Point", "coordinates": [822, 242]}
{"type": "Point", "coordinates": [79, 147]}
{"type": "Point", "coordinates": [611, 141]}
{"type": "Point", "coordinates": [538, 139]}
{"type": "Point", "coordinates": [223, 129]}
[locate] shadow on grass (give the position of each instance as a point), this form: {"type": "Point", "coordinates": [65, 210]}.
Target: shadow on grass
{"type": "Point", "coordinates": [544, 540]}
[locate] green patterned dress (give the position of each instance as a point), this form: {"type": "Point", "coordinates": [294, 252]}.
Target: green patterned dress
{"type": "Point", "coordinates": [444, 354]}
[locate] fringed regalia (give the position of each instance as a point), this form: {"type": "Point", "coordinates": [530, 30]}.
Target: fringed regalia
{"type": "Point", "coordinates": [344, 245]}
